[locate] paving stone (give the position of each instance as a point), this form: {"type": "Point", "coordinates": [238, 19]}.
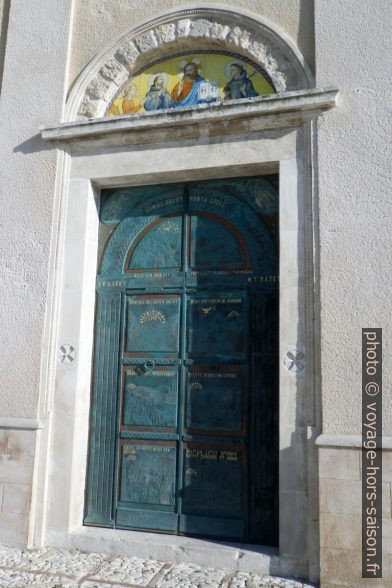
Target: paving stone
{"type": "Point", "coordinates": [46, 568]}
{"type": "Point", "coordinates": [243, 580]}
{"type": "Point", "coordinates": [98, 584]}
{"type": "Point", "coordinates": [73, 562]}
{"type": "Point", "coordinates": [19, 558]}
{"type": "Point", "coordinates": [17, 579]}
{"type": "Point", "coordinates": [131, 570]}
{"type": "Point", "coordinates": [191, 576]}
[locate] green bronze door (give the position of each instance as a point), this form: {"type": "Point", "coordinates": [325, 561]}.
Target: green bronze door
{"type": "Point", "coordinates": [184, 410]}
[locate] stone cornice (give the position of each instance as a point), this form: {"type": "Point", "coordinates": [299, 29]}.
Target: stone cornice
{"type": "Point", "coordinates": [186, 31]}
{"type": "Point", "coordinates": [350, 441]}
{"type": "Point", "coordinates": [23, 424]}
{"type": "Point", "coordinates": [272, 111]}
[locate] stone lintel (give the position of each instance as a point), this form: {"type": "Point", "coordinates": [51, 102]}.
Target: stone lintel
{"type": "Point", "coordinates": [277, 110]}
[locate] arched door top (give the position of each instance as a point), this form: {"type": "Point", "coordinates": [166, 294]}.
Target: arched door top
{"type": "Point", "coordinates": [213, 243]}
{"type": "Point", "coordinates": [201, 29]}
{"type": "Point", "coordinates": [223, 228]}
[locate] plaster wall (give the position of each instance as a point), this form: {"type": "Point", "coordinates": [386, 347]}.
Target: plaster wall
{"type": "Point", "coordinates": [354, 155]}
{"type": "Point", "coordinates": [354, 176]}
{"type": "Point", "coordinates": [98, 21]}
{"type": "Point", "coordinates": [32, 93]}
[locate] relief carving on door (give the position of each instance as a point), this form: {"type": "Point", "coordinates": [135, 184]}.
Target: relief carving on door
{"type": "Point", "coordinates": [184, 412]}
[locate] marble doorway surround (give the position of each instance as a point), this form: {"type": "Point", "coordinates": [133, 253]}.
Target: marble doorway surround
{"type": "Point", "coordinates": [273, 134]}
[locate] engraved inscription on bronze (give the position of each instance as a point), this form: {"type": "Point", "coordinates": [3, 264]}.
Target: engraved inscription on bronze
{"type": "Point", "coordinates": [216, 325]}
{"type": "Point", "coordinates": [153, 323]}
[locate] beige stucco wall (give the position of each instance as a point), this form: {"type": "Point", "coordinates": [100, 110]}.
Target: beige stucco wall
{"type": "Point", "coordinates": [32, 94]}
{"type": "Point", "coordinates": [98, 21]}
{"type": "Point", "coordinates": [354, 165]}
{"type": "Point", "coordinates": [354, 178]}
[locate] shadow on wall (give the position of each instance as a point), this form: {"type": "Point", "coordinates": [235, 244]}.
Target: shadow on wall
{"type": "Point", "coordinates": [298, 554]}
{"type": "Point", "coordinates": [298, 468]}
{"type": "Point", "coordinates": [306, 42]}
{"type": "Point", "coordinates": [4, 17]}
{"type": "Point", "coordinates": [33, 145]}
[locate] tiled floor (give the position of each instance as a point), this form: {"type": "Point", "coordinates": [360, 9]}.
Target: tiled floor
{"type": "Point", "coordinates": [55, 568]}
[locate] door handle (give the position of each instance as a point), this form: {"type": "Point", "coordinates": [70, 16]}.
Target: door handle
{"type": "Point", "coordinates": [148, 365]}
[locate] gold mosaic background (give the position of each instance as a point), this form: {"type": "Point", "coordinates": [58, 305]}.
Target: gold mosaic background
{"type": "Point", "coordinates": [188, 80]}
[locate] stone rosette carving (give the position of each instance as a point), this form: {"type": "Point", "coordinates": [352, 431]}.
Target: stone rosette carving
{"type": "Point", "coordinates": [294, 360]}
{"type": "Point", "coordinates": [186, 31]}
{"type": "Point", "coordinates": [67, 354]}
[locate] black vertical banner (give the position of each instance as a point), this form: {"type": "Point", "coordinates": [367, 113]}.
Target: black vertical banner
{"type": "Point", "coordinates": [371, 453]}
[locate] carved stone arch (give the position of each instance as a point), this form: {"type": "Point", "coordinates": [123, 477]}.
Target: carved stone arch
{"type": "Point", "coordinates": [186, 30]}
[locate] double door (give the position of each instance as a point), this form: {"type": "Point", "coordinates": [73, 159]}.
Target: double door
{"type": "Point", "coordinates": [183, 434]}
{"type": "Point", "coordinates": [184, 413]}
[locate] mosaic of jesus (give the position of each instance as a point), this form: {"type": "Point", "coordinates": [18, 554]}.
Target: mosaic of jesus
{"type": "Point", "coordinates": [190, 80]}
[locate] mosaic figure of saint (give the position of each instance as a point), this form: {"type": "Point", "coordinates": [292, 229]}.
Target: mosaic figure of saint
{"type": "Point", "coordinates": [158, 98]}
{"type": "Point", "coordinates": [186, 91]}
{"type": "Point", "coordinates": [129, 104]}
{"type": "Point", "coordinates": [240, 86]}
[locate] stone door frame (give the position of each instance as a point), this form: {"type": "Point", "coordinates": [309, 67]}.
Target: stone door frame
{"type": "Point", "coordinates": [261, 136]}
{"type": "Point", "coordinates": [286, 151]}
